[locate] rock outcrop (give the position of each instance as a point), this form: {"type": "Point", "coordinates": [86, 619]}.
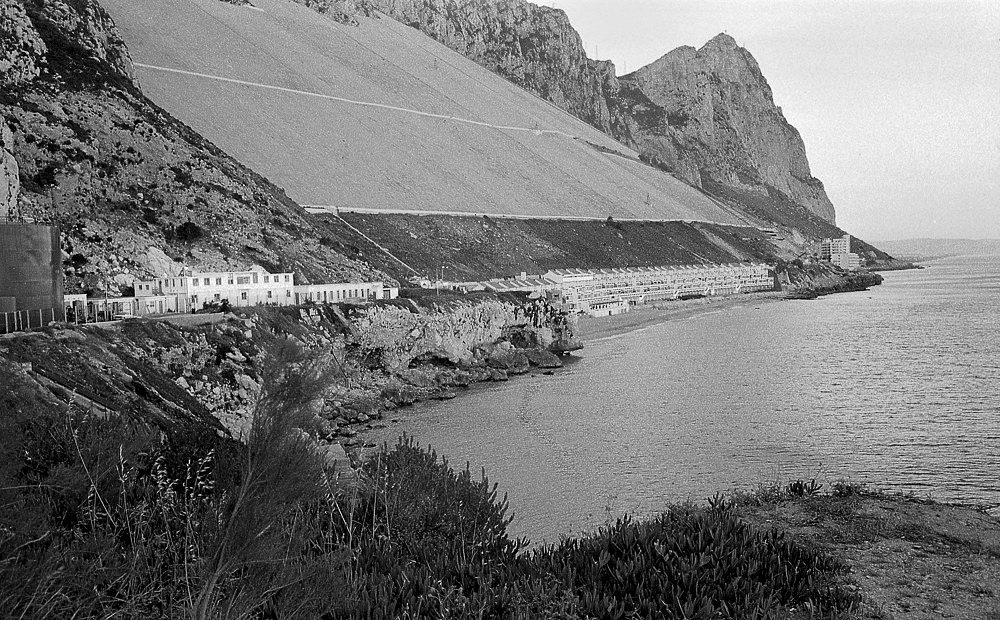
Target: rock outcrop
{"type": "Point", "coordinates": [718, 119]}
{"type": "Point", "coordinates": [10, 185]}
{"type": "Point", "coordinates": [89, 29]}
{"type": "Point", "coordinates": [373, 357]}
{"type": "Point", "coordinates": [21, 47]}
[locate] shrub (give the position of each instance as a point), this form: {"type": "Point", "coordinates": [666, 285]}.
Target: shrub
{"type": "Point", "coordinates": [801, 488]}
{"type": "Point", "coordinates": [691, 563]}
{"type": "Point", "coordinates": [845, 488]}
{"type": "Point", "coordinates": [189, 231]}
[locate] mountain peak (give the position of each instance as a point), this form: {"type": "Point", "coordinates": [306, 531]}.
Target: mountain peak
{"type": "Point", "coordinates": [723, 41]}
{"type": "Point", "coordinates": [724, 125]}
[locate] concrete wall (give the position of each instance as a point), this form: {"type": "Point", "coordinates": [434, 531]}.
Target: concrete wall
{"type": "Point", "coordinates": [30, 267]}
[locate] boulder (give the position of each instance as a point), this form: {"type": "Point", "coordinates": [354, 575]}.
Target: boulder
{"type": "Point", "coordinates": [247, 383]}
{"type": "Point", "coordinates": [543, 359]}
{"type": "Point", "coordinates": [334, 456]}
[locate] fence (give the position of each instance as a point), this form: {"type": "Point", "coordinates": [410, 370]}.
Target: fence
{"type": "Point", "coordinates": [22, 320]}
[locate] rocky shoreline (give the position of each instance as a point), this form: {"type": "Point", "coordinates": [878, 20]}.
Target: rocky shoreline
{"type": "Point", "coordinates": [374, 357]}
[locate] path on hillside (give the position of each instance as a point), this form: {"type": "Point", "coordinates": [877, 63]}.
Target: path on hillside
{"type": "Point", "coordinates": [368, 104]}
{"type": "Point", "coordinates": [333, 210]}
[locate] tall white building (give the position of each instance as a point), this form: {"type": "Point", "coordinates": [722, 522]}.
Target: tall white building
{"type": "Point", "coordinates": [838, 252]}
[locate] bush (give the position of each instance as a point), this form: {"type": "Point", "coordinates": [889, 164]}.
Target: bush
{"type": "Point", "coordinates": [189, 231]}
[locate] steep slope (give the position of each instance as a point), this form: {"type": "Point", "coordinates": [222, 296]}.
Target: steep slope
{"type": "Point", "coordinates": [377, 116]}
{"type": "Point", "coordinates": [719, 120]}
{"type": "Point", "coordinates": [483, 248]}
{"type": "Point", "coordinates": [698, 113]}
{"type": "Point", "coordinates": [533, 46]}
{"type": "Point", "coordinates": [133, 190]}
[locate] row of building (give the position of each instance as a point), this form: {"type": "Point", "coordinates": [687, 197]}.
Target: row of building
{"type": "Point", "coordinates": [190, 292]}
{"type": "Point", "coordinates": [601, 292]}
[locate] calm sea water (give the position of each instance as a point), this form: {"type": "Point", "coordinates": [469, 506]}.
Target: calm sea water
{"type": "Point", "coordinates": [898, 387]}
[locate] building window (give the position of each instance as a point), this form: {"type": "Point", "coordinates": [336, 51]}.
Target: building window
{"type": "Point", "coordinates": [255, 278]}
{"type": "Point", "coordinates": [208, 281]}
{"type": "Point", "coordinates": [243, 295]}
{"type": "Point", "coordinates": [230, 280]}
{"type": "Point", "coordinates": [268, 293]}
{"type": "Point", "coordinates": [288, 293]}
{"type": "Point", "coordinates": [267, 279]}
{"type": "Point", "coordinates": [287, 277]}
{"type": "Point", "coordinates": [218, 281]}
{"type": "Point", "coordinates": [217, 297]}
{"type": "Point", "coordinates": [243, 280]}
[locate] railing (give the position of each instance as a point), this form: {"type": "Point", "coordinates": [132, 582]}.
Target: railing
{"type": "Point", "coordinates": [23, 320]}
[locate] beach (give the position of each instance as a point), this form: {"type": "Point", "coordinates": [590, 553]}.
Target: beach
{"type": "Point", "coordinates": [590, 329]}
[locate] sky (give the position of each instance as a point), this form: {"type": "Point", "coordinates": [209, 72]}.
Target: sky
{"type": "Point", "coordinates": [898, 101]}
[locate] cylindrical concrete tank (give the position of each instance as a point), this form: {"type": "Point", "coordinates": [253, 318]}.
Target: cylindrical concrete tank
{"type": "Point", "coordinates": [30, 267]}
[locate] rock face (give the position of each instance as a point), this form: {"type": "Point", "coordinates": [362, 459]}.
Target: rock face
{"type": "Point", "coordinates": [718, 119]}
{"type": "Point", "coordinates": [9, 184]}
{"type": "Point", "coordinates": [21, 47]}
{"type": "Point", "coordinates": [90, 29]}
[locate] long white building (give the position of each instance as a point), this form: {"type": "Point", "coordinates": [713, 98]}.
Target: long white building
{"type": "Point", "coordinates": [256, 287]}
{"type": "Point", "coordinates": [596, 290]}
{"type": "Point", "coordinates": [240, 288]}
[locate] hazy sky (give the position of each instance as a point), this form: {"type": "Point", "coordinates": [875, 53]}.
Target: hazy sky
{"type": "Point", "coordinates": [898, 101]}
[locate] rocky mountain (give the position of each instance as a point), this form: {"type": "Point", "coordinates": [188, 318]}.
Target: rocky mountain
{"type": "Point", "coordinates": [135, 192]}
{"type": "Point", "coordinates": [704, 115]}
{"type": "Point", "coordinates": [716, 117]}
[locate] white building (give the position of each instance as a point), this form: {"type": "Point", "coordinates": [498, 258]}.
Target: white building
{"type": "Point", "coordinates": [240, 288]}
{"type": "Point", "coordinates": [340, 291]}
{"type": "Point", "coordinates": [838, 252]}
{"type": "Point", "coordinates": [595, 289]}
{"type": "Point", "coordinates": [846, 260]}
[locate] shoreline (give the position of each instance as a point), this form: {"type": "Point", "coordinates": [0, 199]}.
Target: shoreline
{"type": "Point", "coordinates": [640, 317]}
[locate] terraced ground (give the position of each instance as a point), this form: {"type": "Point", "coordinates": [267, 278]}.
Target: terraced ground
{"type": "Point", "coordinates": [379, 116]}
{"type": "Point", "coordinates": [484, 247]}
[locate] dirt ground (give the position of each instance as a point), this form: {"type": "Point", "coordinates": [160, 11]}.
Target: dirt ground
{"type": "Point", "coordinates": [908, 558]}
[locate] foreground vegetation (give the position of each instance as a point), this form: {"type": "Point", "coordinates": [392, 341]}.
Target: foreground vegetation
{"type": "Point", "coordinates": [108, 518]}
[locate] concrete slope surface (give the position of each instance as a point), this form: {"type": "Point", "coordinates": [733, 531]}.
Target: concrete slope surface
{"type": "Point", "coordinates": [379, 116]}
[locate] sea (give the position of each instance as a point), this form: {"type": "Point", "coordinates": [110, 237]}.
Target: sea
{"type": "Point", "coordinates": [897, 387]}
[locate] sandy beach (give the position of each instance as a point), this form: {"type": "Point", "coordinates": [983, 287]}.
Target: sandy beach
{"type": "Point", "coordinates": [590, 329]}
